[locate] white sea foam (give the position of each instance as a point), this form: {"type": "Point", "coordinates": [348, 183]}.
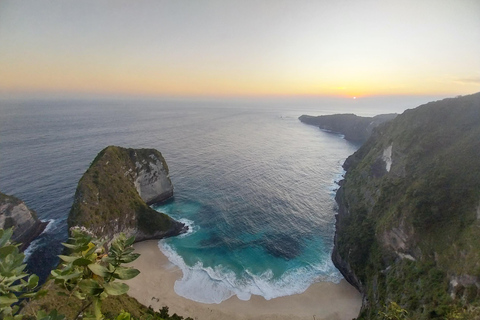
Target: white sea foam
{"type": "Point", "coordinates": [38, 242]}
{"type": "Point", "coordinates": [333, 187]}
{"type": "Point", "coordinates": [214, 285]}
{"type": "Point", "coordinates": [192, 227]}
{"type": "Point", "coordinates": [340, 175]}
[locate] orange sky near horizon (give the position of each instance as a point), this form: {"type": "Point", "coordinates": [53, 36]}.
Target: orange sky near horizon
{"type": "Point", "coordinates": [240, 48]}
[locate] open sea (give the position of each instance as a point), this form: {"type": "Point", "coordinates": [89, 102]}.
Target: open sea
{"type": "Point", "coordinates": [255, 185]}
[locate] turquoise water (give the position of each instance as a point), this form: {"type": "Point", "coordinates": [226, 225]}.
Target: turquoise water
{"type": "Point", "coordinates": [261, 213]}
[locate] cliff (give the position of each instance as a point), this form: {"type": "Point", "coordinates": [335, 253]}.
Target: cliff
{"type": "Point", "coordinates": [114, 193]}
{"type": "Point", "coordinates": [353, 127]}
{"type": "Point", "coordinates": [15, 213]}
{"type": "Point", "coordinates": [409, 213]}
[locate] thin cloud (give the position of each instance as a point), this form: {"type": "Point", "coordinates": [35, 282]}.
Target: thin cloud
{"type": "Point", "coordinates": [474, 80]}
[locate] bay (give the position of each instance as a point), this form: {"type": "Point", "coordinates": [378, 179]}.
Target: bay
{"type": "Point", "coordinates": [255, 185]}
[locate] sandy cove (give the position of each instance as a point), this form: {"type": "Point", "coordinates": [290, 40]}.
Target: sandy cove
{"type": "Point", "coordinates": [154, 287]}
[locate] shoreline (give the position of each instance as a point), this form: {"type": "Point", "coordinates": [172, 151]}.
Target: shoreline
{"type": "Point", "coordinates": [154, 287]}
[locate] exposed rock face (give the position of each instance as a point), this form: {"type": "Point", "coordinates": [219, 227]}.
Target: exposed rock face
{"type": "Point", "coordinates": [152, 181]}
{"type": "Point", "coordinates": [15, 213]}
{"type": "Point", "coordinates": [387, 157]}
{"type": "Point", "coordinates": [407, 227]}
{"type": "Point", "coordinates": [353, 127]}
{"type": "Point", "coordinates": [114, 193]}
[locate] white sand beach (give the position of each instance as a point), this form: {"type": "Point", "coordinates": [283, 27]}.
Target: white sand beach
{"type": "Point", "coordinates": [154, 287]}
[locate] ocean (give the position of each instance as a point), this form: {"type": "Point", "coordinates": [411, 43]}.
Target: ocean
{"type": "Point", "coordinates": [255, 185]}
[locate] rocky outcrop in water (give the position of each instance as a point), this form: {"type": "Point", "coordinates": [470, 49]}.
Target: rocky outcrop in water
{"type": "Point", "coordinates": [353, 127]}
{"type": "Point", "coordinates": [408, 222]}
{"type": "Point", "coordinates": [15, 213]}
{"type": "Point", "coordinates": [114, 193]}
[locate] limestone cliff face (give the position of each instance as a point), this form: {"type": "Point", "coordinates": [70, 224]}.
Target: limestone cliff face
{"type": "Point", "coordinates": [151, 180]}
{"type": "Point", "coordinates": [353, 127]}
{"type": "Point", "coordinates": [408, 221]}
{"type": "Point", "coordinates": [15, 213]}
{"type": "Point", "coordinates": [114, 193]}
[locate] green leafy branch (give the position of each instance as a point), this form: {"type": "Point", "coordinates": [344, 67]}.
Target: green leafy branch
{"type": "Point", "coordinates": [89, 273]}
{"type": "Point", "coordinates": [15, 283]}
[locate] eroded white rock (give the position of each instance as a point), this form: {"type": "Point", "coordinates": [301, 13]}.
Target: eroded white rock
{"type": "Point", "coordinates": [387, 157]}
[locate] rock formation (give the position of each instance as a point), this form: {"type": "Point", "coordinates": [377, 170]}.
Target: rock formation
{"type": "Point", "coordinates": [408, 223]}
{"type": "Point", "coordinates": [15, 213]}
{"type": "Point", "coordinates": [114, 193]}
{"type": "Point", "coordinates": [353, 127]}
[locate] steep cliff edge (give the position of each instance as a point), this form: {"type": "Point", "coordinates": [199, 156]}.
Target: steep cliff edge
{"type": "Point", "coordinates": [409, 212]}
{"type": "Point", "coordinates": [15, 213]}
{"type": "Point", "coordinates": [353, 127]}
{"type": "Point", "coordinates": [114, 193]}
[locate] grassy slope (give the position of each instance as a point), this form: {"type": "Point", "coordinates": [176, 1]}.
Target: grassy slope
{"type": "Point", "coordinates": [11, 199]}
{"type": "Point", "coordinates": [71, 306]}
{"type": "Point", "coordinates": [434, 190]}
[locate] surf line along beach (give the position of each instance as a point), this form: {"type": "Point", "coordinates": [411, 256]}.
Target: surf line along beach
{"type": "Point", "coordinates": [154, 287]}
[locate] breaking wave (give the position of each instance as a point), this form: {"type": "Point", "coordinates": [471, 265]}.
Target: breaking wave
{"type": "Point", "coordinates": [214, 285]}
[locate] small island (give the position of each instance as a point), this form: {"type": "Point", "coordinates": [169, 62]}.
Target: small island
{"type": "Point", "coordinates": [114, 194]}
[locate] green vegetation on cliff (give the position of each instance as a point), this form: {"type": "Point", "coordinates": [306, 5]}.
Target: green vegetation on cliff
{"type": "Point", "coordinates": [409, 209]}
{"type": "Point", "coordinates": [108, 200]}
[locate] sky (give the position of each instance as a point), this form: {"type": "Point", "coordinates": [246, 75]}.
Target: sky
{"type": "Point", "coordinates": [249, 48]}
